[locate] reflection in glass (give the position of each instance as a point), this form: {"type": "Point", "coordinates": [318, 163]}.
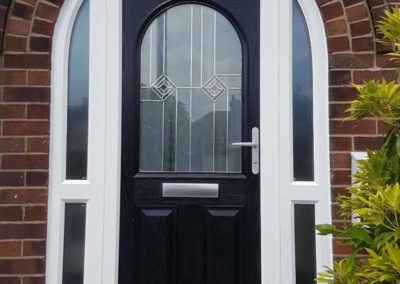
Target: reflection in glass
{"type": "Point", "coordinates": [302, 99]}
{"type": "Point", "coordinates": [74, 243]}
{"type": "Point", "coordinates": [191, 93]}
{"type": "Point", "coordinates": [78, 89]}
{"type": "Point", "coordinates": [305, 243]}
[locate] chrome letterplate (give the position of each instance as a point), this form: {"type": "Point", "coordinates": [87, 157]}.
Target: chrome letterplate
{"type": "Point", "coordinates": [190, 190]}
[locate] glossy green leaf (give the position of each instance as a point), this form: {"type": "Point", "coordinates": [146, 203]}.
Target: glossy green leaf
{"type": "Point", "coordinates": [325, 229]}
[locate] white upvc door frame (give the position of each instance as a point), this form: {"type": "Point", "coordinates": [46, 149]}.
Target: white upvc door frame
{"type": "Point", "coordinates": [269, 142]}
{"type": "Point", "coordinates": [279, 191]}
{"type": "Point", "coordinates": [101, 191]}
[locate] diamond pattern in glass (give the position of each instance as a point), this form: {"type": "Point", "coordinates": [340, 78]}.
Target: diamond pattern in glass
{"type": "Point", "coordinates": [163, 87]}
{"type": "Point", "coordinates": [215, 88]}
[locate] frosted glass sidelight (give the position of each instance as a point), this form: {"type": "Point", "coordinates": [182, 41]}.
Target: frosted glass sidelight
{"type": "Point", "coordinates": [303, 136]}
{"type": "Point", "coordinates": [305, 248]}
{"type": "Point", "coordinates": [74, 243]}
{"type": "Point", "coordinates": [78, 92]}
{"type": "Point", "coordinates": [190, 93]}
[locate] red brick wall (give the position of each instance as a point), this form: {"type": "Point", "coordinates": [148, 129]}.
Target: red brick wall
{"type": "Point", "coordinates": [26, 28]}
{"type": "Point", "coordinates": [24, 137]}
{"type": "Point", "coordinates": [353, 57]}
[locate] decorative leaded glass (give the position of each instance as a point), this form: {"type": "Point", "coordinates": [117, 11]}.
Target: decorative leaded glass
{"type": "Point", "coordinates": [191, 93]}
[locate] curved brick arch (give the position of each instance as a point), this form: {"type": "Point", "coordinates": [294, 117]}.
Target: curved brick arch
{"type": "Point", "coordinates": [30, 25]}
{"type": "Point", "coordinates": [13, 13]}
{"type": "Point", "coordinates": [26, 29]}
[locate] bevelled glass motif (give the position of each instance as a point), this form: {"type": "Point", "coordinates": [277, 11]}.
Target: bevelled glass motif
{"type": "Point", "coordinates": [190, 93]}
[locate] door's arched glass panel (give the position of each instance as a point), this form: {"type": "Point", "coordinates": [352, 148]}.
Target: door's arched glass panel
{"type": "Point", "coordinates": [190, 92]}
{"type": "Point", "coordinates": [303, 146]}
{"type": "Point", "coordinates": [78, 89]}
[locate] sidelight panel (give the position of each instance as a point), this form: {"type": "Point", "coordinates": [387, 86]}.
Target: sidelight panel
{"type": "Point", "coordinates": [305, 246]}
{"type": "Point", "coordinates": [78, 97]}
{"type": "Point", "coordinates": [303, 135]}
{"type": "Point", "coordinates": [74, 243]}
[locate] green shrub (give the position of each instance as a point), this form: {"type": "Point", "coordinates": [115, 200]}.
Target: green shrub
{"type": "Point", "coordinates": [375, 196]}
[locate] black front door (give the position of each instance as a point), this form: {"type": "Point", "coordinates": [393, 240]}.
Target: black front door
{"type": "Point", "coordinates": [190, 210]}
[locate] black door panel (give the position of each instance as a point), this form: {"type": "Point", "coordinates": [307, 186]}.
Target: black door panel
{"type": "Point", "coordinates": [189, 240]}
{"type": "Point", "coordinates": [189, 243]}
{"type": "Point", "coordinates": [156, 239]}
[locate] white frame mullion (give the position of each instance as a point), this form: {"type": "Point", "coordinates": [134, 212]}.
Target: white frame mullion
{"type": "Point", "coordinates": [96, 143]}
{"type": "Point", "coordinates": [286, 215]}
{"type": "Point", "coordinates": [111, 197]}
{"type": "Point", "coordinates": [269, 142]}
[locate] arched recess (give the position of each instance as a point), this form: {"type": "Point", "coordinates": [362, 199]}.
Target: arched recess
{"type": "Point", "coordinates": [280, 192]}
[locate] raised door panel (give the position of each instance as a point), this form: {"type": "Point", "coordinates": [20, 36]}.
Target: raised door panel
{"type": "Point", "coordinates": [190, 245]}
{"type": "Point", "coordinates": [155, 245]}
{"type": "Point", "coordinates": [223, 245]}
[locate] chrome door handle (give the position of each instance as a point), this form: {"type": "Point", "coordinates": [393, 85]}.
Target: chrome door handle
{"type": "Point", "coordinates": [245, 144]}
{"type": "Point", "coordinates": [255, 149]}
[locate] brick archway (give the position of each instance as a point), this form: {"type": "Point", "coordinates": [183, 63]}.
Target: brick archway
{"type": "Point", "coordinates": [26, 29]}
